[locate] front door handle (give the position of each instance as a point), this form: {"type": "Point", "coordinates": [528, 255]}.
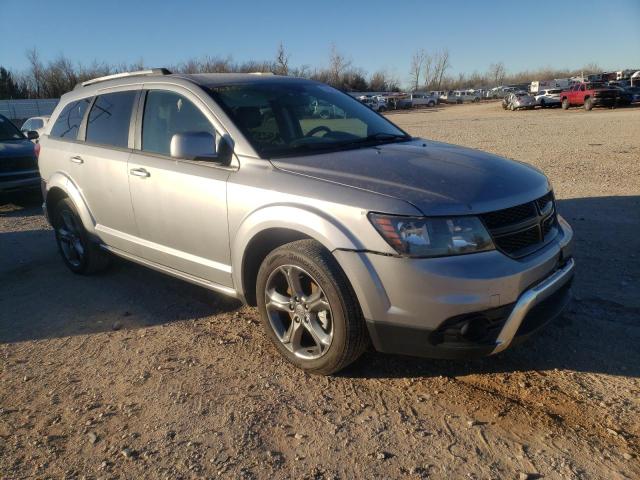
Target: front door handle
{"type": "Point", "coordinates": [77, 159]}
{"type": "Point", "coordinates": [139, 172]}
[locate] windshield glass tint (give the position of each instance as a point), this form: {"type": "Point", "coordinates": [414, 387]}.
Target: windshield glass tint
{"type": "Point", "coordinates": [288, 118]}
{"type": "Point", "coordinates": [8, 131]}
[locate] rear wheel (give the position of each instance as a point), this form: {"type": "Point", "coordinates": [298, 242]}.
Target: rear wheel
{"type": "Point", "coordinates": [588, 104]}
{"type": "Point", "coordinates": [308, 308]}
{"type": "Point", "coordinates": [565, 104]}
{"type": "Point", "coordinates": [78, 252]}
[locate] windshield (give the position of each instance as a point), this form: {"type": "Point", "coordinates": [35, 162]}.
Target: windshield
{"type": "Point", "coordinates": [281, 119]}
{"type": "Point", "coordinates": [8, 131]}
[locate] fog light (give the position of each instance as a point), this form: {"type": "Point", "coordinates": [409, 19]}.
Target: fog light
{"type": "Point", "coordinates": [474, 329]}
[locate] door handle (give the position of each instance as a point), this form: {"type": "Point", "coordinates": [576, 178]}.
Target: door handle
{"type": "Point", "coordinates": [77, 159]}
{"type": "Point", "coordinates": [139, 172]}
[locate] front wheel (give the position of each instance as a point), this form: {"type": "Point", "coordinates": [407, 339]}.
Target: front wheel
{"type": "Point", "coordinates": [565, 104]}
{"type": "Point", "coordinates": [309, 309]}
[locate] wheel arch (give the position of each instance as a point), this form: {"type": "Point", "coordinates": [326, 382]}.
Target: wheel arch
{"type": "Point", "coordinates": [60, 186]}
{"type": "Point", "coordinates": [270, 227]}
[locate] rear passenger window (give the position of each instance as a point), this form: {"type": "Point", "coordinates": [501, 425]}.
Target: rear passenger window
{"type": "Point", "coordinates": [165, 114]}
{"type": "Point", "coordinates": [109, 119]}
{"type": "Point", "coordinates": [68, 122]}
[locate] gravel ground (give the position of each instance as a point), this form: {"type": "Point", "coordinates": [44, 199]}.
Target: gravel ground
{"type": "Point", "coordinates": [131, 374]}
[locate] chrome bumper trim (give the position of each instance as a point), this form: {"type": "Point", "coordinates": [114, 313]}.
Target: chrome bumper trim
{"type": "Point", "coordinates": [529, 299]}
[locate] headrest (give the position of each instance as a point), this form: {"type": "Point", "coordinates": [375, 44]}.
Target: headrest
{"type": "Point", "coordinates": [249, 117]}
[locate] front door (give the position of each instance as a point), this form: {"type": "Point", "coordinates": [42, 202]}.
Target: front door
{"type": "Point", "coordinates": [180, 205]}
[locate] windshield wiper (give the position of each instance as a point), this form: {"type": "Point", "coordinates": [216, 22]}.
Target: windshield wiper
{"type": "Point", "coordinates": [373, 139]}
{"type": "Point", "coordinates": [377, 138]}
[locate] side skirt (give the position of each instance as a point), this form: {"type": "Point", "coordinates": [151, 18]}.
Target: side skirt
{"type": "Point", "coordinates": [173, 272]}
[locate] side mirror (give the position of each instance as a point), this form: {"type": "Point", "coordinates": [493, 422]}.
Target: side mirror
{"type": "Point", "coordinates": [33, 135]}
{"type": "Point", "coordinates": [201, 146]}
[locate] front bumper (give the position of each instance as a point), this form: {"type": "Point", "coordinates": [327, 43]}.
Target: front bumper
{"type": "Point", "coordinates": [605, 101]}
{"type": "Point", "coordinates": [423, 306]}
{"type": "Point", "coordinates": [23, 179]}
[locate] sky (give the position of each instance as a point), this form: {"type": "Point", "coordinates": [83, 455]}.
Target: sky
{"type": "Point", "coordinates": [374, 35]}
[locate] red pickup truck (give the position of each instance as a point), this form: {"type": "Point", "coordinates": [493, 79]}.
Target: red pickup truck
{"type": "Point", "coordinates": [589, 94]}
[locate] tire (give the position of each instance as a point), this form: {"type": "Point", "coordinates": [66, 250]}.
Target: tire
{"type": "Point", "coordinates": [588, 104]}
{"type": "Point", "coordinates": [565, 104]}
{"type": "Point", "coordinates": [309, 262]}
{"type": "Point", "coordinates": [79, 253]}
{"type": "Point", "coordinates": [431, 104]}
{"type": "Point", "coordinates": [542, 103]}
{"type": "Point", "coordinates": [382, 109]}
{"type": "Point", "coordinates": [512, 107]}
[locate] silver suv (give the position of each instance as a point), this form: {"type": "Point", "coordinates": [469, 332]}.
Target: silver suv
{"type": "Point", "coordinates": [345, 231]}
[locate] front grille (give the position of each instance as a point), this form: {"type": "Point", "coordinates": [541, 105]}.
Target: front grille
{"type": "Point", "coordinates": [523, 229]}
{"type": "Point", "coordinates": [13, 164]}
{"type": "Point", "coordinates": [508, 216]}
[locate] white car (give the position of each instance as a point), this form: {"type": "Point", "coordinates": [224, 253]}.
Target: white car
{"type": "Point", "coordinates": [519, 100]}
{"type": "Point", "coordinates": [549, 98]}
{"type": "Point", "coordinates": [377, 103]}
{"type": "Point", "coordinates": [35, 124]}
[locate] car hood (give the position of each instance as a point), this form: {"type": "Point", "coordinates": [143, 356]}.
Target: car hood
{"type": "Point", "coordinates": [16, 148]}
{"type": "Point", "coordinates": [437, 178]}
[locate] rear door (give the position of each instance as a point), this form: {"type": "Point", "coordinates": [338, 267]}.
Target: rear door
{"type": "Point", "coordinates": [101, 160]}
{"type": "Point", "coordinates": [180, 205]}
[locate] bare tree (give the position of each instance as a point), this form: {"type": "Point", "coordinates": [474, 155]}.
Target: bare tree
{"type": "Point", "coordinates": [282, 61]}
{"type": "Point", "coordinates": [427, 71]}
{"type": "Point", "coordinates": [441, 65]}
{"type": "Point", "coordinates": [417, 62]}
{"type": "Point", "coordinates": [35, 70]}
{"type": "Point", "coordinates": [378, 82]}
{"type": "Point", "coordinates": [338, 65]}
{"type": "Point", "coordinates": [497, 73]}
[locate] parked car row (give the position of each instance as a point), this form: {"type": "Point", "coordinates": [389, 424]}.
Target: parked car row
{"type": "Point", "coordinates": [583, 94]}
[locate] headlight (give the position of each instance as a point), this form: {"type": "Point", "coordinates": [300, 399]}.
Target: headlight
{"type": "Point", "coordinates": [433, 237]}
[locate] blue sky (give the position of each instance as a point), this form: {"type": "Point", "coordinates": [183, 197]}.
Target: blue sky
{"type": "Point", "coordinates": [373, 34]}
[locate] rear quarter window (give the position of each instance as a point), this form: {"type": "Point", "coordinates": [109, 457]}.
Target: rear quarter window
{"type": "Point", "coordinates": [68, 122]}
{"type": "Point", "coordinates": [109, 119]}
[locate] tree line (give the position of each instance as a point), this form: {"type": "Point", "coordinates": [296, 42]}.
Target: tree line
{"type": "Point", "coordinates": [427, 71]}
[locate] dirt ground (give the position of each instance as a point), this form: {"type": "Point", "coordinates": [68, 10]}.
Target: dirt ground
{"type": "Point", "coordinates": [131, 374]}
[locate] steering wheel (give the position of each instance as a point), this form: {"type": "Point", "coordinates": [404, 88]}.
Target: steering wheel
{"type": "Point", "coordinates": [319, 128]}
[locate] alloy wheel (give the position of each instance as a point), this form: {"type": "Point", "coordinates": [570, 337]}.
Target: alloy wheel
{"type": "Point", "coordinates": [299, 312]}
{"type": "Point", "coordinates": [68, 233]}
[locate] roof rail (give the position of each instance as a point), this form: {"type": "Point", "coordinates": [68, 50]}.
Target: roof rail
{"type": "Point", "coordinates": [151, 71]}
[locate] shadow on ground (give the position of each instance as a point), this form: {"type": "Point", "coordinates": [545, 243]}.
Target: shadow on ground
{"type": "Point", "coordinates": [41, 299]}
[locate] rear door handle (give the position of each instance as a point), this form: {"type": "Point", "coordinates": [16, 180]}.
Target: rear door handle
{"type": "Point", "coordinates": [139, 172]}
{"type": "Point", "coordinates": [77, 159]}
